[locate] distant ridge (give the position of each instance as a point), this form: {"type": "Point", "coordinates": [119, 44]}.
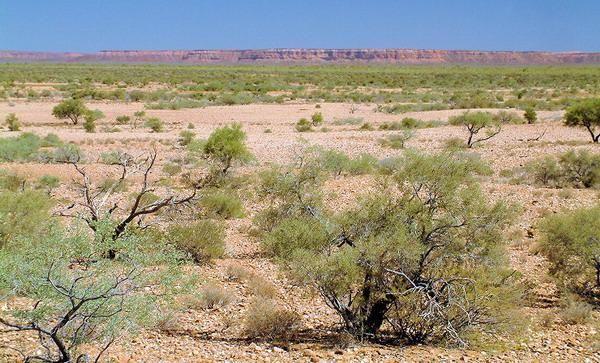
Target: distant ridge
{"type": "Point", "coordinates": [309, 56]}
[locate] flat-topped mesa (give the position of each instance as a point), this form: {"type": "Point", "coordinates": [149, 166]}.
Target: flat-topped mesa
{"type": "Point", "coordinates": [309, 56]}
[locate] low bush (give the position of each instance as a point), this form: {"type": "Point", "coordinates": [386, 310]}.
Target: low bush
{"type": "Point", "coordinates": [303, 125]}
{"type": "Point", "coordinates": [186, 137]}
{"type": "Point", "coordinates": [171, 169]}
{"type": "Point", "coordinates": [576, 312]}
{"type": "Point", "coordinates": [21, 148]}
{"type": "Point", "coordinates": [202, 240]}
{"type": "Point", "coordinates": [571, 242]}
{"type": "Point", "coordinates": [123, 120]}
{"type": "Point", "coordinates": [155, 124]}
{"type": "Point", "coordinates": [24, 214]}
{"type": "Point", "coordinates": [265, 319]}
{"type": "Point", "coordinates": [213, 296]}
{"type": "Point", "coordinates": [317, 119]}
{"type": "Point", "coordinates": [577, 169]}
{"type": "Point", "coordinates": [12, 122]}
{"type": "Point", "coordinates": [396, 141]}
{"type": "Point", "coordinates": [222, 204]}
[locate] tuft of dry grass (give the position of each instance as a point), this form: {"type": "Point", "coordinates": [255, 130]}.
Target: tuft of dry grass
{"type": "Point", "coordinates": [265, 319]}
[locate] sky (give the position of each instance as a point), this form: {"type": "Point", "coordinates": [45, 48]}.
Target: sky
{"type": "Point", "coordinates": [92, 25]}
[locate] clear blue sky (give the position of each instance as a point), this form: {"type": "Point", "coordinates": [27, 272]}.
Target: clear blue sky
{"type": "Point", "coordinates": [91, 25]}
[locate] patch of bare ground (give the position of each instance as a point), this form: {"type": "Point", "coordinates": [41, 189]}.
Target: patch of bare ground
{"type": "Point", "coordinates": [199, 334]}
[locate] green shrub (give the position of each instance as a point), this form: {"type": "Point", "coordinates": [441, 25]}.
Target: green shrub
{"type": "Point", "coordinates": [348, 121]}
{"type": "Point", "coordinates": [571, 242]}
{"type": "Point", "coordinates": [575, 169]}
{"type": "Point", "coordinates": [506, 117]}
{"type": "Point", "coordinates": [186, 137]}
{"type": "Point", "coordinates": [48, 182]}
{"type": "Point", "coordinates": [12, 122]}
{"type": "Point", "coordinates": [410, 123]}
{"type": "Point", "coordinates": [395, 125]}
{"type": "Point", "coordinates": [155, 124]}
{"type": "Point", "coordinates": [530, 115]}
{"type": "Point", "coordinates": [317, 119]}
{"type": "Point", "coordinates": [202, 240]}
{"type": "Point", "coordinates": [24, 214]}
{"type": "Point", "coordinates": [303, 125]}
{"type": "Point", "coordinates": [226, 145]}
{"type": "Point", "coordinates": [11, 182]}
{"type": "Point", "coordinates": [51, 140]}
{"type": "Point", "coordinates": [21, 148]}
{"type": "Point", "coordinates": [425, 255]}
{"type": "Point", "coordinates": [222, 204]}
{"type": "Point", "coordinates": [71, 109]}
{"type": "Point", "coordinates": [89, 124]}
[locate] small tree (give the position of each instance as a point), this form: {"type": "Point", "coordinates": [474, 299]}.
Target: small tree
{"type": "Point", "coordinates": [571, 242]}
{"type": "Point", "coordinates": [585, 113]}
{"type": "Point", "coordinates": [475, 122]}
{"type": "Point", "coordinates": [530, 115]}
{"type": "Point", "coordinates": [138, 117]}
{"type": "Point", "coordinates": [72, 109]}
{"type": "Point", "coordinates": [226, 145]}
{"type": "Point", "coordinates": [89, 124]}
{"type": "Point", "coordinates": [13, 123]}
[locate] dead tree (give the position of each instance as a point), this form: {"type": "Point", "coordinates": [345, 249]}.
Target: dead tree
{"type": "Point", "coordinates": [98, 203]}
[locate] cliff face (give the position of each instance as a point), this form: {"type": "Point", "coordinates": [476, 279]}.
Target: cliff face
{"type": "Point", "coordinates": [312, 56]}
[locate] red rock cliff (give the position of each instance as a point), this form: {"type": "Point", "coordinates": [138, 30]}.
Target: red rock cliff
{"type": "Point", "coordinates": [317, 56]}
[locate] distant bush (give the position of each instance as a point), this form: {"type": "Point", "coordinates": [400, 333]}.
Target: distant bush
{"type": "Point", "coordinates": [585, 113]}
{"type": "Point", "coordinates": [155, 124]}
{"type": "Point", "coordinates": [303, 125]}
{"type": "Point", "coordinates": [397, 141]}
{"type": "Point", "coordinates": [338, 163]}
{"type": "Point", "coordinates": [222, 204]}
{"type": "Point", "coordinates": [202, 240]}
{"type": "Point", "coordinates": [72, 109]}
{"type": "Point", "coordinates": [366, 127]}
{"type": "Point", "coordinates": [90, 122]}
{"type": "Point", "coordinates": [475, 122]}
{"type": "Point", "coordinates": [227, 145]}
{"type": "Point", "coordinates": [506, 117]}
{"type": "Point", "coordinates": [172, 169]}
{"type": "Point", "coordinates": [48, 182]}
{"type": "Point", "coordinates": [12, 122]}
{"type": "Point", "coordinates": [571, 242]}
{"type": "Point", "coordinates": [265, 319]}
{"type": "Point", "coordinates": [317, 119]}
{"type": "Point", "coordinates": [530, 115]}
{"type": "Point", "coordinates": [186, 137]}
{"type": "Point", "coordinates": [348, 121]}
{"type": "Point", "coordinates": [123, 119]}
{"type": "Point", "coordinates": [573, 169]}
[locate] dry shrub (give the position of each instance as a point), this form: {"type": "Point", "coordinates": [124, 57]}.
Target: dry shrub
{"type": "Point", "coordinates": [236, 272]}
{"type": "Point", "coordinates": [576, 312]}
{"type": "Point", "coordinates": [212, 296]}
{"type": "Point", "coordinates": [265, 319]}
{"type": "Point", "coordinates": [261, 287]}
{"type": "Point", "coordinates": [168, 323]}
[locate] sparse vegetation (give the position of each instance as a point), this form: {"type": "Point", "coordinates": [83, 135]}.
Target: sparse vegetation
{"type": "Point", "coordinates": [12, 122]}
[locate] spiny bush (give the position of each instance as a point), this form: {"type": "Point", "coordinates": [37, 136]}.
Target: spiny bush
{"type": "Point", "coordinates": [155, 124]}
{"type": "Point", "coordinates": [12, 122]}
{"type": "Point", "coordinates": [267, 320]}
{"type": "Point", "coordinates": [424, 256]}
{"type": "Point", "coordinates": [475, 122]}
{"type": "Point", "coordinates": [571, 242]}
{"type": "Point", "coordinates": [202, 240]}
{"type": "Point", "coordinates": [222, 204]}
{"type": "Point", "coordinates": [577, 169]}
